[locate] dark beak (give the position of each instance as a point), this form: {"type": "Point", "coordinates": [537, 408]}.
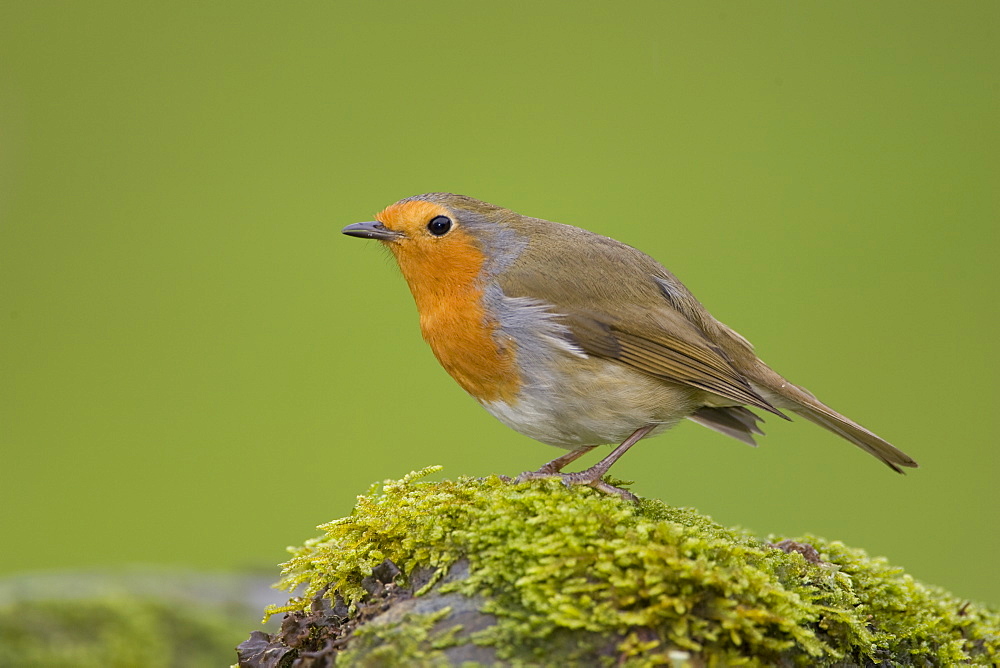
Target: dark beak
{"type": "Point", "coordinates": [372, 230]}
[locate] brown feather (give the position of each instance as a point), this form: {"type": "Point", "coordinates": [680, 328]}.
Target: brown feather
{"type": "Point", "coordinates": [735, 421]}
{"type": "Point", "coordinates": [647, 331]}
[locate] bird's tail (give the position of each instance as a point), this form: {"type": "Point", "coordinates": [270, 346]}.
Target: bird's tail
{"type": "Point", "coordinates": [802, 402]}
{"type": "Point", "coordinates": [868, 441]}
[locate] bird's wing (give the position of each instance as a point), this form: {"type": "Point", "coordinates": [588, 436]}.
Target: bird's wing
{"type": "Point", "coordinates": [663, 344]}
{"type": "Point", "coordinates": [620, 304]}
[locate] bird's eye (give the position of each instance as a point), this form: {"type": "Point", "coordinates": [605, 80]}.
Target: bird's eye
{"type": "Point", "coordinates": [439, 225]}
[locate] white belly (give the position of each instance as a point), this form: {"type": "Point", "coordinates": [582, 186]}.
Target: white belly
{"type": "Point", "coordinates": [594, 402]}
{"type": "Point", "coordinates": [572, 400]}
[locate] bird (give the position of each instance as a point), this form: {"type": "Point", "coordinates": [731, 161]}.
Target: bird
{"type": "Point", "coordinates": [577, 340]}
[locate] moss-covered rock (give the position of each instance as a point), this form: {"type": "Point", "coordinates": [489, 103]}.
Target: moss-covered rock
{"type": "Point", "coordinates": [480, 570]}
{"type": "Point", "coordinates": [126, 618]}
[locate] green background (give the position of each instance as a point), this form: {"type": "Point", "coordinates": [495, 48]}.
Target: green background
{"type": "Point", "coordinates": [196, 367]}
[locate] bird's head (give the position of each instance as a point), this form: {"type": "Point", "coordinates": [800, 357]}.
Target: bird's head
{"type": "Point", "coordinates": [441, 240]}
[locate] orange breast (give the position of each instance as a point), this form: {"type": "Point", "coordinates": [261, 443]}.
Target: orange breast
{"type": "Point", "coordinates": [444, 277]}
{"type": "Point", "coordinates": [461, 336]}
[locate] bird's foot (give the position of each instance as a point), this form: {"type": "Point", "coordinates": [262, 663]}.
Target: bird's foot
{"type": "Point", "coordinates": [588, 477]}
{"type": "Point", "coordinates": [557, 464]}
{"type": "Point", "coordinates": [594, 476]}
{"type": "Point", "coordinates": [550, 469]}
{"type": "Point", "coordinates": [540, 474]}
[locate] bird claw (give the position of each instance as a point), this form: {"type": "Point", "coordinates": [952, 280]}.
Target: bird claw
{"type": "Point", "coordinates": [594, 476]}
{"type": "Point", "coordinates": [540, 474]}
{"type": "Point", "coordinates": [608, 488]}
{"type": "Point", "coordinates": [546, 471]}
{"type": "Point", "coordinates": [595, 480]}
{"type": "Point", "coordinates": [579, 478]}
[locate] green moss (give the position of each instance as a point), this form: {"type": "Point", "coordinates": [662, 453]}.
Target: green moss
{"type": "Point", "coordinates": [112, 633]}
{"type": "Point", "coordinates": [411, 641]}
{"type": "Point", "coordinates": [565, 570]}
{"type": "Point", "coordinates": [126, 617]}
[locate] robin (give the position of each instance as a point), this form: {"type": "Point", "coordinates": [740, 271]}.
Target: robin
{"type": "Point", "coordinates": [578, 340]}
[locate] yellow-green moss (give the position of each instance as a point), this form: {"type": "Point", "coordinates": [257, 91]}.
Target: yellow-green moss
{"type": "Point", "coordinates": [565, 569]}
{"type": "Point", "coordinates": [410, 642]}
{"type": "Point", "coordinates": [120, 618]}
{"type": "Point", "coordinates": [113, 633]}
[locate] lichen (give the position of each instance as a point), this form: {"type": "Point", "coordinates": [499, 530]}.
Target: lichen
{"type": "Point", "coordinates": [564, 570]}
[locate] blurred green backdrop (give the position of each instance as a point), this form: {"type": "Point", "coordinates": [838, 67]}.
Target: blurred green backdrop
{"type": "Point", "coordinates": [197, 368]}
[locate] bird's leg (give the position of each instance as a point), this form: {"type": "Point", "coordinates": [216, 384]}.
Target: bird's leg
{"type": "Point", "coordinates": [592, 476]}
{"type": "Point", "coordinates": [557, 464]}
{"type": "Point", "coordinates": [553, 467]}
